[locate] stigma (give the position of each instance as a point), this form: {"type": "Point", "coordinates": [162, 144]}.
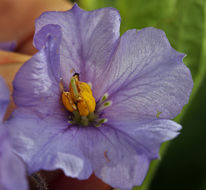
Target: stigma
{"type": "Point", "coordinates": [79, 99]}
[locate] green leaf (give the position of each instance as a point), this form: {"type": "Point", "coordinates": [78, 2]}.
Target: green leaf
{"type": "Point", "coordinates": [95, 4]}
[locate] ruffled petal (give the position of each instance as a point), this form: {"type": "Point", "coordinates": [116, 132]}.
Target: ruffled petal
{"type": "Point", "coordinates": [36, 85]}
{"type": "Point", "coordinates": [114, 156]}
{"type": "Point", "coordinates": [4, 98]}
{"type": "Point", "coordinates": [13, 170]}
{"type": "Point", "coordinates": [148, 134]}
{"type": "Point", "coordinates": [47, 144]}
{"type": "Point", "coordinates": [120, 152]}
{"type": "Point", "coordinates": [146, 77]}
{"type": "Point", "coordinates": [89, 39]}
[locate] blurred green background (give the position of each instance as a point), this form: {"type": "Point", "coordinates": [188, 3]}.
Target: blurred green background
{"type": "Point", "coordinates": [182, 164]}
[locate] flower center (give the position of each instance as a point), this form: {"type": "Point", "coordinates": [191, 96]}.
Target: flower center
{"type": "Point", "coordinates": [80, 101]}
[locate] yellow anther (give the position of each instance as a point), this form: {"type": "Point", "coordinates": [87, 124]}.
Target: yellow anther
{"type": "Point", "coordinates": [84, 87]}
{"type": "Point", "coordinates": [86, 102]}
{"type": "Point", "coordinates": [81, 95]}
{"type": "Point", "coordinates": [89, 100]}
{"type": "Point", "coordinates": [83, 108]}
{"type": "Point", "coordinates": [68, 102]}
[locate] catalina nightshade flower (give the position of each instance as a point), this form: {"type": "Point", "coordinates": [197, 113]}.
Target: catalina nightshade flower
{"type": "Point", "coordinates": [12, 169]}
{"type": "Point", "coordinates": [138, 82]}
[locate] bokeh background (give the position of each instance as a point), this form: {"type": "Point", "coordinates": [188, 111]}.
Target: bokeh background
{"type": "Point", "coordinates": [182, 164]}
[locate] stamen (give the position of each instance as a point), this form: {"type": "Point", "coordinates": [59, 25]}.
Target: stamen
{"type": "Point", "coordinates": [84, 120]}
{"type": "Point", "coordinates": [74, 87]}
{"type": "Point", "coordinates": [98, 125]}
{"type": "Point", "coordinates": [68, 102]}
{"type": "Point", "coordinates": [101, 121]}
{"type": "Point", "coordinates": [104, 97]}
{"type": "Point", "coordinates": [109, 103]}
{"type": "Point", "coordinates": [105, 105]}
{"type": "Point", "coordinates": [91, 116]}
{"type": "Point", "coordinates": [76, 116]}
{"type": "Point", "coordinates": [80, 101]}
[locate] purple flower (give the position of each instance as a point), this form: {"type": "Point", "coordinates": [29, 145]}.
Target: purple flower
{"type": "Point", "coordinates": [8, 46]}
{"type": "Point", "coordinates": [139, 83]}
{"type": "Point", "coordinates": [12, 169]}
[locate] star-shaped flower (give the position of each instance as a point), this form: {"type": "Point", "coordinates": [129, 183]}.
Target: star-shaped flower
{"type": "Point", "coordinates": [92, 101]}
{"type": "Point", "coordinates": [12, 169]}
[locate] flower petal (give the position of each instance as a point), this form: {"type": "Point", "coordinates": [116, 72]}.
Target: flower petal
{"type": "Point", "coordinates": [4, 98]}
{"type": "Point", "coordinates": [146, 77]}
{"type": "Point", "coordinates": [88, 41]}
{"type": "Point", "coordinates": [148, 134]}
{"type": "Point", "coordinates": [47, 144]}
{"type": "Point", "coordinates": [114, 156]}
{"type": "Point", "coordinates": [13, 172]}
{"type": "Point", "coordinates": [120, 152]}
{"type": "Point", "coordinates": [36, 85]}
